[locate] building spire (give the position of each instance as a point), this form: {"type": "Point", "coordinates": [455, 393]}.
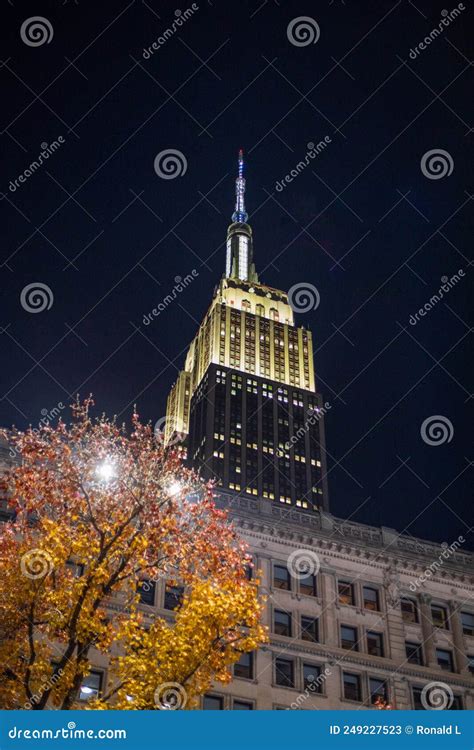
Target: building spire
{"type": "Point", "coordinates": [240, 215]}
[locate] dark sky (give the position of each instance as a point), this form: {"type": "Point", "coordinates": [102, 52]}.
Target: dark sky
{"type": "Point", "coordinates": [363, 223]}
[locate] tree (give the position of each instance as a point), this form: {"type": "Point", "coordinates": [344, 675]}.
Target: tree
{"type": "Point", "coordinates": [96, 511]}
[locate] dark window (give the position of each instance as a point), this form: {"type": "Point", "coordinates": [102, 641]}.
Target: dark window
{"type": "Point", "coordinates": [77, 569]}
{"type": "Point", "coordinates": [90, 686]}
{"type": "Point", "coordinates": [284, 672]}
{"type": "Point", "coordinates": [281, 577]}
{"type": "Point", "coordinates": [467, 620]}
{"type": "Point", "coordinates": [242, 706]}
{"type": "Point", "coordinates": [439, 616]}
{"type": "Point", "coordinates": [312, 678]}
{"type": "Point", "coordinates": [248, 571]}
{"type": "Point", "coordinates": [414, 653]}
{"type": "Point", "coordinates": [456, 704]}
{"type": "Point", "coordinates": [378, 690]}
{"type": "Point", "coordinates": [417, 704]}
{"type": "Point", "coordinates": [345, 592]}
{"type": "Point", "coordinates": [349, 638]}
{"type": "Point", "coordinates": [374, 643]}
{"type": "Point", "coordinates": [173, 596]}
{"type": "Point", "coordinates": [371, 598]}
{"type": "Point", "coordinates": [308, 585]}
{"type": "Point", "coordinates": [409, 610]}
{"type": "Point", "coordinates": [281, 623]}
{"type": "Point", "coordinates": [445, 659]}
{"type": "Point", "coordinates": [352, 690]}
{"type": "Point", "coordinates": [146, 589]}
{"type": "Point", "coordinates": [244, 667]}
{"type": "Point", "coordinates": [309, 628]}
{"type": "Point", "coordinates": [470, 663]}
{"type": "Point", "coordinates": [212, 703]}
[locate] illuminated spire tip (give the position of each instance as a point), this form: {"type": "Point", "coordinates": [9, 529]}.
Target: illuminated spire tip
{"type": "Point", "coordinates": [240, 214]}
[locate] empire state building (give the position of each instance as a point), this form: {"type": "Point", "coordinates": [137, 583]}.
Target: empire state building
{"type": "Point", "coordinates": [246, 401]}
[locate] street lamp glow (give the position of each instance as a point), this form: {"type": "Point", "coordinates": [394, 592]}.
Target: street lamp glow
{"type": "Point", "coordinates": [105, 471]}
{"type": "Point", "coordinates": [174, 489]}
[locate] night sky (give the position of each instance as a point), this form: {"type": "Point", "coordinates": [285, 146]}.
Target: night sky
{"type": "Point", "coordinates": [366, 223]}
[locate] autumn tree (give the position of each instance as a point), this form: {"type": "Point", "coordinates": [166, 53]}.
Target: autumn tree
{"type": "Point", "coordinates": [95, 511]}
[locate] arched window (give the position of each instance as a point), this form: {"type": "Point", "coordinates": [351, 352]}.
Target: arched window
{"type": "Point", "coordinates": [274, 313]}
{"type": "Point", "coordinates": [260, 310]}
{"type": "Point", "coordinates": [246, 305]}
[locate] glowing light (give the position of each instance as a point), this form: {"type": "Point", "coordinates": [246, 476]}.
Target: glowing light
{"type": "Point", "coordinates": [105, 471]}
{"type": "Point", "coordinates": [174, 489]}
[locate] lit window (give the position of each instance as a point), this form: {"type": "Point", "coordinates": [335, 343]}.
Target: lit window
{"type": "Point", "coordinates": [91, 686]}
{"type": "Point", "coordinates": [371, 598]}
{"type": "Point", "coordinates": [409, 610]}
{"type": "Point", "coordinates": [439, 616]}
{"type": "Point", "coordinates": [346, 592]}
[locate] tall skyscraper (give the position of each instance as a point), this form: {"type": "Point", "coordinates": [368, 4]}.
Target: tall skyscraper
{"type": "Point", "coordinates": [247, 400]}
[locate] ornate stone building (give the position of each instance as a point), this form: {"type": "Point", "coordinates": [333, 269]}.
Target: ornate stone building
{"type": "Point", "coordinates": [357, 615]}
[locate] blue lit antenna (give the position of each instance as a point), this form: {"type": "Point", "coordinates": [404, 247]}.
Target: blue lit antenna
{"type": "Point", "coordinates": [240, 214]}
